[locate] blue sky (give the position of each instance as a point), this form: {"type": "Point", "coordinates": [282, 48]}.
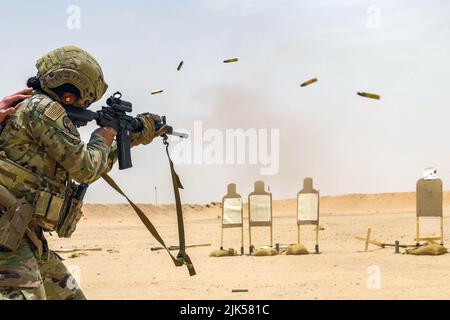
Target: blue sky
{"type": "Point", "coordinates": [346, 143]}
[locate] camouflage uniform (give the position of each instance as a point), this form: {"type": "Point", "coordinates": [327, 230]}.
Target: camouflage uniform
{"type": "Point", "coordinates": [40, 136]}
{"type": "Point", "coordinates": [28, 277]}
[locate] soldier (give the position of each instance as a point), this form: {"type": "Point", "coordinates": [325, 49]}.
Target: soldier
{"type": "Point", "coordinates": [7, 104]}
{"type": "Point", "coordinates": [43, 162]}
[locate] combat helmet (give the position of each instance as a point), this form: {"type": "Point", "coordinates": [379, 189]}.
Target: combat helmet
{"type": "Point", "coordinates": [72, 65]}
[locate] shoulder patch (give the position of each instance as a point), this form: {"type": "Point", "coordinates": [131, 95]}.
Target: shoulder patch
{"type": "Point", "coordinates": [70, 126]}
{"type": "Point", "coordinates": [54, 111]}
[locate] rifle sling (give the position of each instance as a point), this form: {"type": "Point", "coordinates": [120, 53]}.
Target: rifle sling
{"type": "Point", "coordinates": [182, 257]}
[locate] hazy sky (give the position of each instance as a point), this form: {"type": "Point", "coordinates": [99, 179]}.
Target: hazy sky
{"type": "Point", "coordinates": [348, 144]}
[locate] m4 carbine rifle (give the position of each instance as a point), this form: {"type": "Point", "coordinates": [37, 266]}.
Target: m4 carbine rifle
{"type": "Point", "coordinates": [115, 116]}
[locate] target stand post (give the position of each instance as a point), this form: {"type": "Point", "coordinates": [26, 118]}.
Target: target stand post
{"type": "Point", "coordinates": [259, 212]}
{"type": "Point", "coordinates": [429, 205]}
{"type": "Point", "coordinates": [308, 209]}
{"type": "Point", "coordinates": [232, 214]}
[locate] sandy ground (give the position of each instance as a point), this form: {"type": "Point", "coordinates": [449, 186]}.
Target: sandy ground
{"type": "Point", "coordinates": [126, 268]}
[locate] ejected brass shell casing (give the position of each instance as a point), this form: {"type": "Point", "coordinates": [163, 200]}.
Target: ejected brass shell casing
{"type": "Point", "coordinates": [307, 83]}
{"type": "Point", "coordinates": [180, 65]}
{"type": "Point", "coordinates": [231, 60]}
{"type": "Point", "coordinates": [369, 95]}
{"type": "Point", "coordinates": [157, 92]}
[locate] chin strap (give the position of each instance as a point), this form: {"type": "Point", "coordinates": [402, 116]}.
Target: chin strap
{"type": "Point", "coordinates": [182, 257]}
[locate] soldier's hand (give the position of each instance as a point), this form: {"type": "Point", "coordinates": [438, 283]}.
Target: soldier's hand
{"type": "Point", "coordinates": [149, 132]}
{"type": "Point", "coordinates": [153, 121]}
{"type": "Point", "coordinates": [8, 103]}
{"type": "Point", "coordinates": [108, 134]}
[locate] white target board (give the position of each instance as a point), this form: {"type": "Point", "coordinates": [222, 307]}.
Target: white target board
{"type": "Point", "coordinates": [232, 211]}
{"type": "Point", "coordinates": [308, 207]}
{"type": "Point", "coordinates": [430, 226]}
{"type": "Point", "coordinates": [260, 208]}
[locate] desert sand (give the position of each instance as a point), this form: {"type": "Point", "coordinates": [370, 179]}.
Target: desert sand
{"type": "Point", "coordinates": [126, 268]}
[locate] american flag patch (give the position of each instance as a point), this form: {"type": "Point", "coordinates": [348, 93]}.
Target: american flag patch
{"type": "Point", "coordinates": [54, 111]}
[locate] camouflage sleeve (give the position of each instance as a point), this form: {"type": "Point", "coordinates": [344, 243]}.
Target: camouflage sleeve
{"type": "Point", "coordinates": [112, 157]}
{"type": "Point", "coordinates": [55, 132]}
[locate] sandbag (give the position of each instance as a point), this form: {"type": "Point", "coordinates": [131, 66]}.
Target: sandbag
{"type": "Point", "coordinates": [264, 251]}
{"type": "Point", "coordinates": [431, 249]}
{"type": "Point", "coordinates": [223, 253]}
{"type": "Point", "coordinates": [296, 249]}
